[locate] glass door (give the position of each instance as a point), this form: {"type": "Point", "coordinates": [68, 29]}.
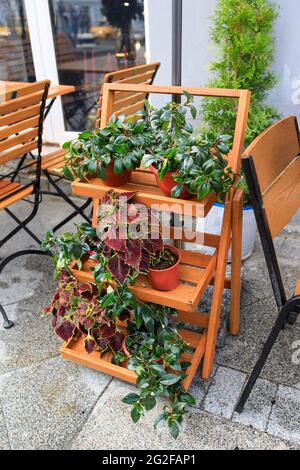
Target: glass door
{"type": "Point", "coordinates": [92, 38]}
{"type": "Point", "coordinates": [16, 61]}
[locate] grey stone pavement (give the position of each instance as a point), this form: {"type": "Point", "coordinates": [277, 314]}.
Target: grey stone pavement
{"type": "Point", "coordinates": [49, 403]}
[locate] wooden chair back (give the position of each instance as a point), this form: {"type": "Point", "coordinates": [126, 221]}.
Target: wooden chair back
{"type": "Point", "coordinates": [21, 121]}
{"type": "Point", "coordinates": [276, 156]}
{"type": "Point", "coordinates": [131, 102]}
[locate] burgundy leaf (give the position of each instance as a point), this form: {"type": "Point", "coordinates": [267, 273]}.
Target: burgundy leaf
{"type": "Point", "coordinates": [103, 343]}
{"type": "Point", "coordinates": [87, 322]}
{"type": "Point", "coordinates": [116, 244]}
{"type": "Point", "coordinates": [118, 268]}
{"type": "Point", "coordinates": [84, 288]}
{"type": "Point", "coordinates": [116, 342]}
{"type": "Point", "coordinates": [89, 345]}
{"type": "Point", "coordinates": [145, 261]}
{"type": "Point", "coordinates": [157, 244]}
{"type": "Point", "coordinates": [133, 253]}
{"type": "Point", "coordinates": [106, 251]}
{"type": "Point", "coordinates": [107, 330]}
{"type": "Point", "coordinates": [125, 315]}
{"type": "Point", "coordinates": [65, 330]}
{"type": "Point", "coordinates": [54, 321]}
{"type": "Point", "coordinates": [107, 197]}
{"type": "Point", "coordinates": [128, 195]}
{"type": "Point", "coordinates": [149, 246]}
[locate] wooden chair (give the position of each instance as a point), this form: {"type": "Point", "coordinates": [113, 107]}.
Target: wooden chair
{"type": "Point", "coordinates": [272, 169]}
{"type": "Point", "coordinates": [21, 128]}
{"type": "Point", "coordinates": [197, 271]}
{"type": "Point", "coordinates": [53, 163]}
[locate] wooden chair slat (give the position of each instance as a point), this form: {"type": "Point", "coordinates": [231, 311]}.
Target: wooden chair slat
{"type": "Point", "coordinates": [131, 110]}
{"type": "Point", "coordinates": [8, 131]}
{"type": "Point", "coordinates": [15, 197]}
{"type": "Point", "coordinates": [131, 71]}
{"type": "Point", "coordinates": [282, 197]}
{"type": "Point", "coordinates": [22, 138]}
{"type": "Point", "coordinates": [18, 151]}
{"type": "Point", "coordinates": [22, 102]}
{"type": "Point", "coordinates": [274, 149]}
{"type": "Point", "coordinates": [20, 115]}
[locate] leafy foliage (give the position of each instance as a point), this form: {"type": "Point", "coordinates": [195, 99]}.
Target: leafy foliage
{"type": "Point", "coordinates": [155, 349]}
{"type": "Point", "coordinates": [242, 36]}
{"type": "Point", "coordinates": [120, 143]}
{"type": "Point", "coordinates": [198, 162]}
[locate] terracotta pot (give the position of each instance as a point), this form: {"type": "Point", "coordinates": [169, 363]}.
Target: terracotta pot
{"type": "Point", "coordinates": [116, 180]}
{"type": "Point", "coordinates": [166, 279]}
{"type": "Point", "coordinates": [168, 183]}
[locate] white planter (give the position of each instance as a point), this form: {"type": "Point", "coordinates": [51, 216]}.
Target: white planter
{"type": "Point", "coordinates": [213, 223]}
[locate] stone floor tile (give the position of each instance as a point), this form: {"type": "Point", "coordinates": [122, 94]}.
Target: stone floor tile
{"type": "Point", "coordinates": [285, 417]}
{"type": "Point", "coordinates": [258, 407]}
{"type": "Point", "coordinates": [223, 392]}
{"type": "Point", "coordinates": [45, 405]}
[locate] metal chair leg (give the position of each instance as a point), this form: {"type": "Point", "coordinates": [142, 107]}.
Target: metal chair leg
{"type": "Point", "coordinates": [6, 323]}
{"type": "Point", "coordinates": [281, 321]}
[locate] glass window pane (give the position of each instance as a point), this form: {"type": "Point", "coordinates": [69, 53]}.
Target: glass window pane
{"type": "Point", "coordinates": [92, 38]}
{"type": "Point", "coordinates": [16, 62]}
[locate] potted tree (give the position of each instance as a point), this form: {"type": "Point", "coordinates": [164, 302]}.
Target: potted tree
{"type": "Point", "coordinates": [109, 154]}
{"type": "Point", "coordinates": [242, 34]}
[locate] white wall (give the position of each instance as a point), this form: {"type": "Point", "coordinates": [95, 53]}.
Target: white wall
{"type": "Point", "coordinates": [197, 51]}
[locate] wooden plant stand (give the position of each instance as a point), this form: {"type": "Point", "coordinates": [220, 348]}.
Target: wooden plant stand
{"type": "Point", "coordinates": [197, 270]}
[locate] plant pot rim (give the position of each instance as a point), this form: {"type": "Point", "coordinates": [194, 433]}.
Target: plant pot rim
{"type": "Point", "coordinates": [171, 267]}
{"type": "Point", "coordinates": [154, 170]}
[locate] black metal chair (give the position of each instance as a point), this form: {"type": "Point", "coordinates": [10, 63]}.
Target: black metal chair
{"type": "Point", "coordinates": [21, 130]}
{"type": "Point", "coordinates": [272, 171]}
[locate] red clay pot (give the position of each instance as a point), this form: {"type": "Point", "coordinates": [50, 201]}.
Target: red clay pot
{"type": "Point", "coordinates": [116, 180]}
{"type": "Point", "coordinates": [166, 279]}
{"type": "Point", "coordinates": [168, 183]}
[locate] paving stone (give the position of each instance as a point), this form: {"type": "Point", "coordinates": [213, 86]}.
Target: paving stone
{"type": "Point", "coordinates": [4, 443]}
{"type": "Point", "coordinates": [31, 339]}
{"type": "Point", "coordinates": [46, 404]}
{"type": "Point", "coordinates": [200, 431]}
{"type": "Point", "coordinates": [258, 407]}
{"type": "Point", "coordinates": [223, 392]}
{"type": "Point", "coordinates": [285, 417]}
{"type": "Point", "coordinates": [199, 387]}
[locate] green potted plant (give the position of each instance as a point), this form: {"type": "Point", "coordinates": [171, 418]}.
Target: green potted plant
{"type": "Point", "coordinates": [111, 153]}
{"type": "Point", "coordinates": [185, 165]}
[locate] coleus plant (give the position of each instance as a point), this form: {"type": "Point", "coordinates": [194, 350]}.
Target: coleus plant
{"type": "Point", "coordinates": [131, 235]}
{"type": "Point", "coordinates": [76, 307]}
{"type": "Point", "coordinates": [120, 143]}
{"type": "Point", "coordinates": [155, 350]}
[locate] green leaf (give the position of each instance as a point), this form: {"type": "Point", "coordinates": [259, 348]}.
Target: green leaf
{"type": "Point", "coordinates": [188, 96]}
{"type": "Point", "coordinates": [193, 111]}
{"type": "Point", "coordinates": [170, 379]}
{"type": "Point", "coordinates": [174, 429]}
{"type": "Point", "coordinates": [66, 145]}
{"type": "Point", "coordinates": [101, 173]}
{"type": "Point", "coordinates": [188, 399]}
{"type": "Point", "coordinates": [176, 191]}
{"type": "Point", "coordinates": [135, 415]}
{"type": "Point", "coordinates": [108, 300]}
{"type": "Point", "coordinates": [160, 420]}
{"type": "Point", "coordinates": [148, 160]}
{"type": "Point", "coordinates": [92, 167]}
{"type": "Point", "coordinates": [118, 167]}
{"type": "Point", "coordinates": [131, 399]}
{"type": "Point", "coordinates": [67, 172]}
{"type": "Point", "coordinates": [149, 402]}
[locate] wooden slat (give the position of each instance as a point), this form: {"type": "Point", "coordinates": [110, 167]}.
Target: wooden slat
{"type": "Point", "coordinates": [149, 195]}
{"type": "Point", "coordinates": [19, 115]}
{"type": "Point", "coordinates": [297, 290]}
{"type": "Point", "coordinates": [194, 318]}
{"type": "Point", "coordinates": [16, 197]}
{"type": "Point", "coordinates": [274, 149]}
{"type": "Point", "coordinates": [8, 131]}
{"type": "Point", "coordinates": [132, 99]}
{"type": "Point", "coordinates": [131, 71]}
{"type": "Point", "coordinates": [17, 151]}
{"type": "Point", "coordinates": [141, 78]}
{"type": "Point", "coordinates": [129, 110]}
{"type": "Point", "coordinates": [190, 236]}
{"type": "Point", "coordinates": [18, 139]}
{"type": "Point", "coordinates": [18, 103]}
{"type": "Point", "coordinates": [282, 198]}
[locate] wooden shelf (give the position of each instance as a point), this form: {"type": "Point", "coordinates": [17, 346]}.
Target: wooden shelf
{"type": "Point", "coordinates": [148, 193]}
{"type": "Point", "coordinates": [74, 351]}
{"type": "Point", "coordinates": [196, 272]}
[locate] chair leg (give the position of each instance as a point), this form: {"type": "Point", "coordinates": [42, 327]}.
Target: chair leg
{"type": "Point", "coordinates": [236, 262]}
{"type": "Point", "coordinates": [6, 323]}
{"type": "Point", "coordinates": [282, 319]}
{"type": "Point", "coordinates": [78, 210]}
